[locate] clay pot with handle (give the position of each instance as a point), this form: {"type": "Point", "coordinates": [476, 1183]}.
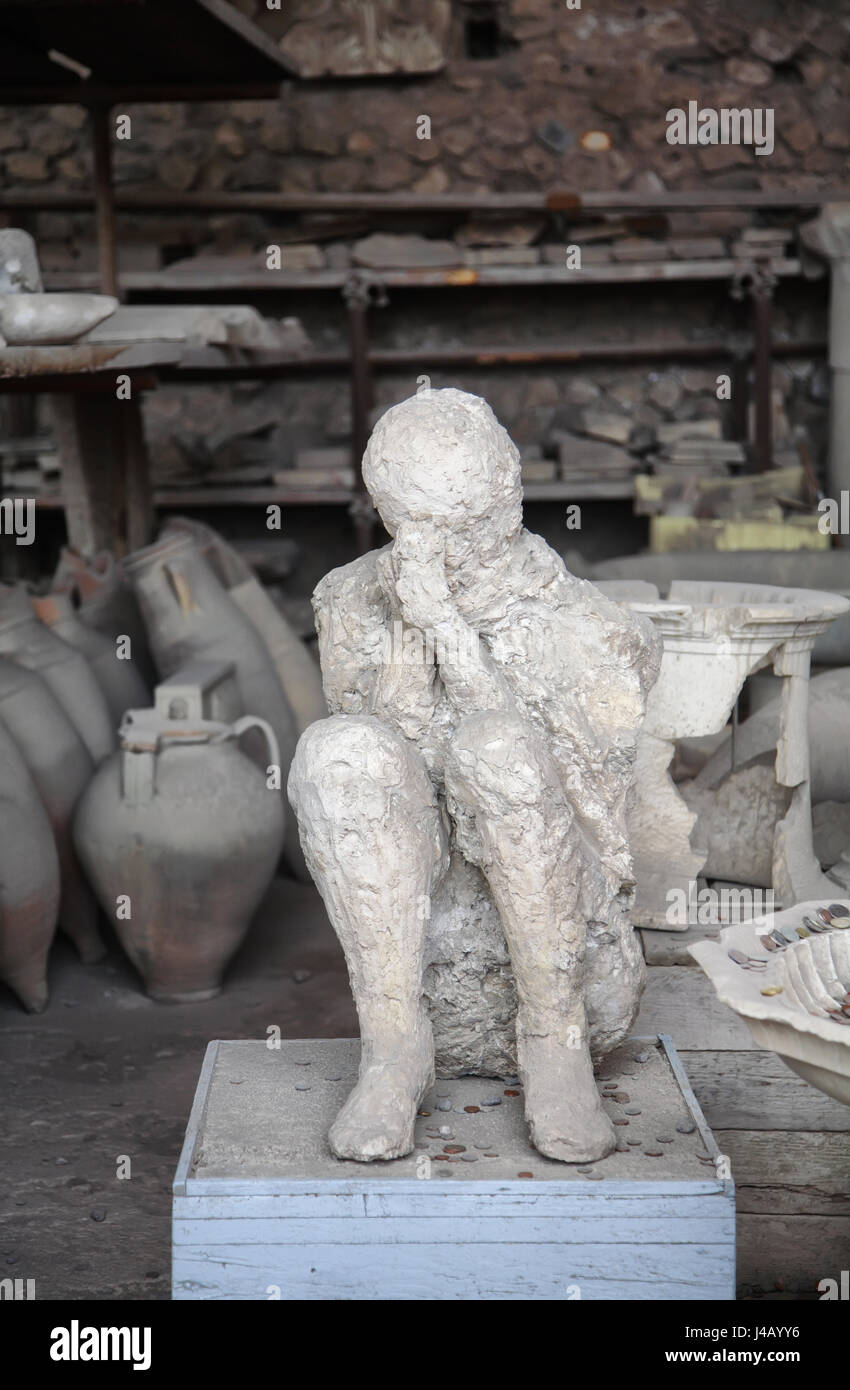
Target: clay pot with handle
{"type": "Point", "coordinates": [297, 672]}
{"type": "Point", "coordinates": [180, 835]}
{"type": "Point", "coordinates": [190, 616]}
{"type": "Point", "coordinates": [104, 601]}
{"type": "Point", "coordinates": [117, 676]}
{"type": "Point", "coordinates": [29, 880]}
{"type": "Point", "coordinates": [61, 768]}
{"type": "Point", "coordinates": [29, 643]}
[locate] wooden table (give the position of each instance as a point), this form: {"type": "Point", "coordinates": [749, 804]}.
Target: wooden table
{"type": "Point", "coordinates": [96, 394]}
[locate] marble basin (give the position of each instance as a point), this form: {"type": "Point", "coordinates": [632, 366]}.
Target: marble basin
{"type": "Point", "coordinates": [715, 635]}
{"type": "Point", "coordinates": [785, 995]}
{"type": "Point", "coordinates": [47, 320]}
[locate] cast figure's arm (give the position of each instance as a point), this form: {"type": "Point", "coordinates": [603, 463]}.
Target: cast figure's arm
{"type": "Point", "coordinates": [413, 571]}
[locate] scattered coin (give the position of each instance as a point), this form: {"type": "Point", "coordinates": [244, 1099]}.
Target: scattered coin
{"type": "Point", "coordinates": [421, 1146]}
{"type": "Point", "coordinates": [471, 1109]}
{"type": "Point", "coordinates": [443, 1095]}
{"type": "Point", "coordinates": [469, 1158]}
{"type": "Point", "coordinates": [595, 1177]}
{"type": "Point", "coordinates": [491, 1155]}
{"type": "Point", "coordinates": [300, 1063]}
{"type": "Point", "coordinates": [772, 989]}
{"type": "Point", "coordinates": [492, 1100]}
{"type": "Point", "coordinates": [622, 1097]}
{"type": "Point", "coordinates": [838, 910]}
{"type": "Point", "coordinates": [525, 1175]}
{"type": "Point", "coordinates": [824, 914]}
{"type": "Point", "coordinates": [768, 943]}
{"type": "Point", "coordinates": [481, 1146]}
{"type": "Point", "coordinates": [511, 1093]}
{"type": "Point", "coordinates": [738, 957]}
{"type": "Point", "coordinates": [664, 1139]}
{"type": "Point", "coordinates": [425, 1113]}
{"type": "Point", "coordinates": [803, 933]}
{"type": "Point", "coordinates": [653, 1153]}
{"type": "Point", "coordinates": [814, 925]}
{"type": "Point", "coordinates": [440, 1158]}
{"type": "Point", "coordinates": [621, 1122]}
{"type": "Point", "coordinates": [789, 933]}
{"type": "Point", "coordinates": [633, 1110]}
{"type": "Point", "coordinates": [609, 1085]}
{"type": "Point", "coordinates": [302, 1086]}
{"type": "Point", "coordinates": [454, 1149]}
{"type": "Point", "coordinates": [642, 1057]}
{"type": "Point", "coordinates": [622, 1147]}
{"type": "Point", "coordinates": [634, 1143]}
{"type": "Point", "coordinates": [339, 1078]}
{"type": "Point", "coordinates": [685, 1127]}
{"type": "Point", "coordinates": [585, 1168]}
{"type": "Point", "coordinates": [780, 939]}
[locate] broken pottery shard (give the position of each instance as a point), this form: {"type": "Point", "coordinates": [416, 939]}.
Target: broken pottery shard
{"type": "Point", "coordinates": [463, 809]}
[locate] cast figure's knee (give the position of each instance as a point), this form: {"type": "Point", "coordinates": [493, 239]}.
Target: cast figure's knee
{"type": "Point", "coordinates": [354, 766]}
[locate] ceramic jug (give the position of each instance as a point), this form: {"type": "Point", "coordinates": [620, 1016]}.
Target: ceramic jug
{"type": "Point", "coordinates": [29, 643]}
{"type": "Point", "coordinates": [117, 676]}
{"type": "Point", "coordinates": [190, 616]}
{"type": "Point", "coordinates": [29, 880]}
{"type": "Point", "coordinates": [180, 835]}
{"type": "Point", "coordinates": [104, 601]}
{"type": "Point", "coordinates": [297, 672]}
{"type": "Point", "coordinates": [61, 768]}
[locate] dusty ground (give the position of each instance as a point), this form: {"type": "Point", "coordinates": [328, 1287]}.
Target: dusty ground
{"type": "Point", "coordinates": [106, 1072]}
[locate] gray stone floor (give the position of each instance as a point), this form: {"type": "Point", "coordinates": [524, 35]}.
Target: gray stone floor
{"type": "Point", "coordinates": [106, 1073]}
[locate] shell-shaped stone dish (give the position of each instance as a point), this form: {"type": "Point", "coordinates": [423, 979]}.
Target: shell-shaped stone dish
{"type": "Point", "coordinates": [48, 320]}
{"type": "Point", "coordinates": [812, 976]}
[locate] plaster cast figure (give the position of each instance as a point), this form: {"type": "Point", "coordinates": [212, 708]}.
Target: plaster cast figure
{"type": "Point", "coordinates": [485, 710]}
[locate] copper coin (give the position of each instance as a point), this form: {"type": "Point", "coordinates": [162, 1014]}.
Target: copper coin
{"type": "Point", "coordinates": [454, 1148]}
{"type": "Point", "coordinates": [511, 1093]}
{"type": "Point", "coordinates": [525, 1175]}
{"type": "Point", "coordinates": [471, 1109]}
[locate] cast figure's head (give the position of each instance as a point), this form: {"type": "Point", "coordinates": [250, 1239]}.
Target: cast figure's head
{"type": "Point", "coordinates": [443, 457]}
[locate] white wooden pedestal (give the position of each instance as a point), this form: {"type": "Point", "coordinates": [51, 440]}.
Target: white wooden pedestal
{"type": "Point", "coordinates": [263, 1210]}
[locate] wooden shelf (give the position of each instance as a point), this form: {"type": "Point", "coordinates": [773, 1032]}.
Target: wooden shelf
{"type": "Point", "coordinates": [173, 281]}
{"type": "Point", "coordinates": [173, 499]}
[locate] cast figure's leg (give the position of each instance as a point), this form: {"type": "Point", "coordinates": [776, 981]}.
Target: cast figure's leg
{"type": "Point", "coordinates": [374, 842]}
{"type": "Point", "coordinates": [515, 822]}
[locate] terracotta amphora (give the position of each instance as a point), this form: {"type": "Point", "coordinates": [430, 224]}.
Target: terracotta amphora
{"type": "Point", "coordinates": [297, 672]}
{"type": "Point", "coordinates": [180, 835]}
{"type": "Point", "coordinates": [104, 601]}
{"type": "Point", "coordinates": [191, 617]}
{"type": "Point", "coordinates": [118, 676]}
{"type": "Point", "coordinates": [29, 643]}
{"type": "Point", "coordinates": [29, 880]}
{"type": "Point", "coordinates": [61, 768]}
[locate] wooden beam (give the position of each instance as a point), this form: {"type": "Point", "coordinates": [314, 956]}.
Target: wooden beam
{"type": "Point", "coordinates": [99, 117]}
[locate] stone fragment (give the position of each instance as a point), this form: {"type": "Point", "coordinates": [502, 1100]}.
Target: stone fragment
{"type": "Point", "coordinates": [614, 429]}
{"type": "Point", "coordinates": [639, 249]}
{"type": "Point", "coordinates": [386, 250]}
{"type": "Point", "coordinates": [502, 255]}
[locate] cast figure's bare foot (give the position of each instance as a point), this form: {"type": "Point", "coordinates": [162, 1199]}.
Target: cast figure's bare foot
{"type": "Point", "coordinates": [377, 1119]}
{"type": "Point", "coordinates": [562, 1104]}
